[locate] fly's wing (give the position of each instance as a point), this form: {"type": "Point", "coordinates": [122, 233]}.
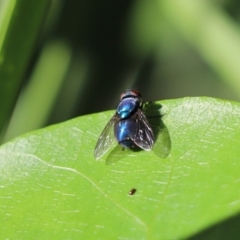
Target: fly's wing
{"type": "Point", "coordinates": [106, 138]}
{"type": "Point", "coordinates": [144, 137]}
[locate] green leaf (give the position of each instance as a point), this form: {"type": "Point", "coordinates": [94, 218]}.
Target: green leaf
{"type": "Point", "coordinates": [19, 30]}
{"type": "Point", "coordinates": [208, 19]}
{"type": "Point", "coordinates": [52, 187]}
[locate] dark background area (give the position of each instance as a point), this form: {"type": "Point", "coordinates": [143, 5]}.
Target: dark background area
{"type": "Point", "coordinates": [160, 49]}
{"type": "Point", "coordinates": [99, 32]}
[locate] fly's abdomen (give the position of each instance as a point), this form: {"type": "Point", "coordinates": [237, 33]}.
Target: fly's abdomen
{"type": "Point", "coordinates": [124, 131]}
{"type": "Point", "coordinates": [127, 107]}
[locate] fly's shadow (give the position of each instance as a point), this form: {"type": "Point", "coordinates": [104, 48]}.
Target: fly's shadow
{"type": "Point", "coordinates": [118, 153]}
{"type": "Point", "coordinates": [162, 141]}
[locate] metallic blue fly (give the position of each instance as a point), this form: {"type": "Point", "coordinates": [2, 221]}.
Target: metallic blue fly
{"type": "Point", "coordinates": [129, 126]}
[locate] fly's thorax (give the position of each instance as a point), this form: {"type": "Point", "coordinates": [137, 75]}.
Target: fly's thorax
{"type": "Point", "coordinates": [128, 106]}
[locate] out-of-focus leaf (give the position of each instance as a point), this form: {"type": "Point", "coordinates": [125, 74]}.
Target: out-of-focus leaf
{"type": "Point", "coordinates": [16, 49]}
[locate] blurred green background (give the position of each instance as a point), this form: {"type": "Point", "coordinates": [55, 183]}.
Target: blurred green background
{"type": "Point", "coordinates": [62, 59]}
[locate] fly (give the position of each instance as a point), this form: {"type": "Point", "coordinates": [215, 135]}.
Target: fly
{"type": "Point", "coordinates": [129, 126]}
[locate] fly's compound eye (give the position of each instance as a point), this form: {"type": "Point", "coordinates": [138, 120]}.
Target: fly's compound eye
{"type": "Point", "coordinates": [135, 93]}
{"type": "Point", "coordinates": [130, 93]}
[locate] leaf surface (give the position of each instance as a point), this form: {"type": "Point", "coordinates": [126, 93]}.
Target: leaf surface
{"type": "Point", "coordinates": [51, 185]}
